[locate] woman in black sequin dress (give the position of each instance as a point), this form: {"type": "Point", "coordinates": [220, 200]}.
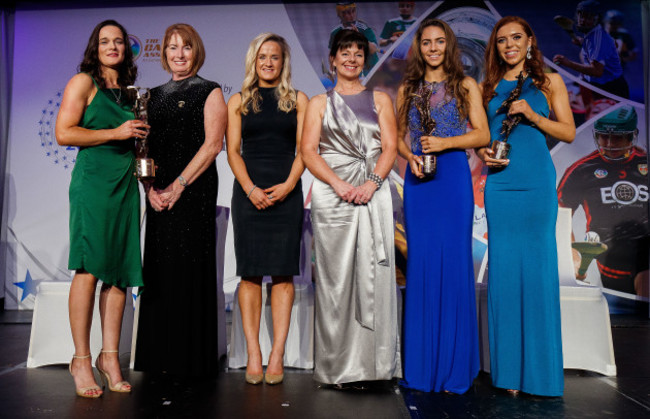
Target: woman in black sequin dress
{"type": "Point", "coordinates": [264, 126]}
{"type": "Point", "coordinates": [177, 328]}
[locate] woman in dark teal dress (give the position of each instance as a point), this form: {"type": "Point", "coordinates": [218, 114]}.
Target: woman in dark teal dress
{"type": "Point", "coordinates": [521, 209]}
{"type": "Point", "coordinates": [96, 116]}
{"type": "Point", "coordinates": [440, 329]}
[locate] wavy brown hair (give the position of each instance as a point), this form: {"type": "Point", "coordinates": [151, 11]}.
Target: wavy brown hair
{"type": "Point", "coordinates": [416, 67]}
{"type": "Point", "coordinates": [495, 67]}
{"type": "Point", "coordinates": [127, 72]}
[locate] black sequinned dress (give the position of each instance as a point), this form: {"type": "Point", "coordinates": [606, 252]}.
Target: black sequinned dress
{"type": "Point", "coordinates": [267, 242]}
{"type": "Point", "coordinates": [177, 328]}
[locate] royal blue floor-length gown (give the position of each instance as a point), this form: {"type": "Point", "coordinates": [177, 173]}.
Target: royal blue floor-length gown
{"type": "Point", "coordinates": [440, 328]}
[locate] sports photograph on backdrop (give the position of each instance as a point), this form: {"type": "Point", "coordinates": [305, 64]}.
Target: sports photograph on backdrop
{"type": "Point", "coordinates": [602, 177]}
{"type": "Point", "coordinates": [510, 186]}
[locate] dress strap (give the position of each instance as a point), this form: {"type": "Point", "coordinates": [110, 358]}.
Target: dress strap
{"type": "Point", "coordinates": [93, 79]}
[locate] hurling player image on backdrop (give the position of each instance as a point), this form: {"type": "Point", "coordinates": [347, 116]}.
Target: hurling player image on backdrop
{"type": "Point", "coordinates": [600, 64]}
{"type": "Point", "coordinates": [394, 28]}
{"type": "Point", "coordinates": [347, 13]}
{"type": "Point", "coordinates": [611, 185]}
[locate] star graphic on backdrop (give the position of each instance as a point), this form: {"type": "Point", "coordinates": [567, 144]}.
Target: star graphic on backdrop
{"type": "Point", "coordinates": [28, 286]}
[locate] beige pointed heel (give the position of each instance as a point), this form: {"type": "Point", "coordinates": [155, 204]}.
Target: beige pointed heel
{"type": "Point", "coordinates": [91, 392]}
{"type": "Point", "coordinates": [273, 378]}
{"type": "Point", "coordinates": [254, 378]}
{"type": "Point", "coordinates": [121, 387]}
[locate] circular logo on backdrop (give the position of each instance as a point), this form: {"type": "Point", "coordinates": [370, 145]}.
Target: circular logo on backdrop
{"type": "Point", "coordinates": [59, 155]}
{"type": "Point", "coordinates": [625, 192]}
{"type": "Point", "coordinates": [600, 173]}
{"type": "Point", "coordinates": [136, 46]}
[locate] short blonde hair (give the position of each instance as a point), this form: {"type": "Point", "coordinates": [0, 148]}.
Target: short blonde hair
{"type": "Point", "coordinates": [190, 37]}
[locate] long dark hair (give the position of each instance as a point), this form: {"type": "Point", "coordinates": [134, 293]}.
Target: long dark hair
{"type": "Point", "coordinates": [127, 72]}
{"type": "Point", "coordinates": [495, 67]}
{"type": "Point", "coordinates": [416, 67]}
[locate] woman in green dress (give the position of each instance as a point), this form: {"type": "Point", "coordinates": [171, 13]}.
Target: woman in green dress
{"type": "Point", "coordinates": [96, 116]}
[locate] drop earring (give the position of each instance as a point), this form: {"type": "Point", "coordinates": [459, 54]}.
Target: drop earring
{"type": "Point", "coordinates": [528, 54]}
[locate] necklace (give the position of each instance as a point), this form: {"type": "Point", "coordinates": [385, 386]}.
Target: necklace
{"type": "Point", "coordinates": [117, 97]}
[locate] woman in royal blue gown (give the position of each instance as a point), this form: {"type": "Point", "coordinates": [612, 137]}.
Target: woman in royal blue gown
{"type": "Point", "coordinates": [440, 330]}
{"type": "Point", "coordinates": [521, 209]}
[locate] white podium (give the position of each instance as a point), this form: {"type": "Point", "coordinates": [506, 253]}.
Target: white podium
{"type": "Point", "coordinates": [51, 339]}
{"type": "Point", "coordinates": [299, 350]}
{"type": "Point", "coordinates": [586, 330]}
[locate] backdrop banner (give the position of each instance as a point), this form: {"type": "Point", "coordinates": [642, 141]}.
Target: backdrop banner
{"type": "Point", "coordinates": [609, 196]}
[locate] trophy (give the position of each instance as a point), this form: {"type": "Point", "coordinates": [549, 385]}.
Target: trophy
{"type": "Point", "coordinates": [589, 250]}
{"type": "Point", "coordinates": [502, 148]}
{"type": "Point", "coordinates": [145, 169]}
{"type": "Point", "coordinates": [429, 160]}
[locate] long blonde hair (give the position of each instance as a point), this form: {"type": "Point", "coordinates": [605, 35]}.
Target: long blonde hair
{"type": "Point", "coordinates": [285, 93]}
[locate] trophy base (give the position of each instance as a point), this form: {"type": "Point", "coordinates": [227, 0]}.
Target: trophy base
{"type": "Point", "coordinates": [429, 165]}
{"type": "Point", "coordinates": [501, 150]}
{"type": "Point", "coordinates": [145, 169]}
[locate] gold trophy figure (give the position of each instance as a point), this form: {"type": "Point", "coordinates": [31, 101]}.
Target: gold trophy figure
{"type": "Point", "coordinates": [145, 169]}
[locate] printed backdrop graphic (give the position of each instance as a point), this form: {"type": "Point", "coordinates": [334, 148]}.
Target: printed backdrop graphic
{"type": "Point", "coordinates": [38, 170]}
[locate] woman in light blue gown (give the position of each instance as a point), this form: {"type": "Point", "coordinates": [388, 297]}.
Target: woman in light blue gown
{"type": "Point", "coordinates": [521, 209]}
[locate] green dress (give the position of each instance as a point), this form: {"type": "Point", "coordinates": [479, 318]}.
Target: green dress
{"type": "Point", "coordinates": [105, 200]}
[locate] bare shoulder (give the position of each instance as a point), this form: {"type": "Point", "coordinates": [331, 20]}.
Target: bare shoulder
{"type": "Point", "coordinates": [300, 95]}
{"type": "Point", "coordinates": [234, 101]}
{"type": "Point", "coordinates": [555, 80]}
{"type": "Point", "coordinates": [318, 101]}
{"type": "Point", "coordinates": [469, 83]}
{"type": "Point", "coordinates": [81, 82]}
{"type": "Point", "coordinates": [382, 98]}
{"type": "Point", "coordinates": [301, 100]}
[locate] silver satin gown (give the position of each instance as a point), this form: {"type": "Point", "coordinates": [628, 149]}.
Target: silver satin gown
{"type": "Point", "coordinates": [356, 333]}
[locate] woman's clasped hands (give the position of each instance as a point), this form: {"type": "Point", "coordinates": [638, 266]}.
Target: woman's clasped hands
{"type": "Point", "coordinates": [359, 195]}
{"type": "Point", "coordinates": [164, 199]}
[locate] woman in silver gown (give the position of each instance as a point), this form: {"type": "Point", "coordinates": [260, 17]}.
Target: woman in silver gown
{"type": "Point", "coordinates": [354, 129]}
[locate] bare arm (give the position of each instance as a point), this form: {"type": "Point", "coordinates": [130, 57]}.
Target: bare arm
{"type": "Point", "coordinates": [485, 153]}
{"type": "Point", "coordinates": [593, 69]}
{"type": "Point", "coordinates": [279, 192]}
{"type": "Point", "coordinates": [564, 128]}
{"type": "Point", "coordinates": [215, 121]}
{"type": "Point", "coordinates": [78, 94]}
{"type": "Point", "coordinates": [309, 149]}
{"type": "Point", "coordinates": [478, 137]}
{"type": "Point", "coordinates": [388, 132]}
{"type": "Point", "coordinates": [235, 160]}
{"type": "Point", "coordinates": [415, 162]}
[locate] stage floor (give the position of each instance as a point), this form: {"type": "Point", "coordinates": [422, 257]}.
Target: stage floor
{"type": "Point", "coordinates": [49, 391]}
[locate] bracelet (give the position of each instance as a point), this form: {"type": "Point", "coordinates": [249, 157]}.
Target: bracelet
{"type": "Point", "coordinates": [376, 179]}
{"type": "Point", "coordinates": [182, 180]}
{"type": "Point", "coordinates": [252, 189]}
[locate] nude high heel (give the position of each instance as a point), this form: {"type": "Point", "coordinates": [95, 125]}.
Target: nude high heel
{"type": "Point", "coordinates": [91, 392]}
{"type": "Point", "coordinates": [273, 378]}
{"type": "Point", "coordinates": [254, 378]}
{"type": "Point", "coordinates": [122, 386]}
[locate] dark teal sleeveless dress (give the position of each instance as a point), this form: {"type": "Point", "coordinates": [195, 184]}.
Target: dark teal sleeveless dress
{"type": "Point", "coordinates": [523, 284]}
